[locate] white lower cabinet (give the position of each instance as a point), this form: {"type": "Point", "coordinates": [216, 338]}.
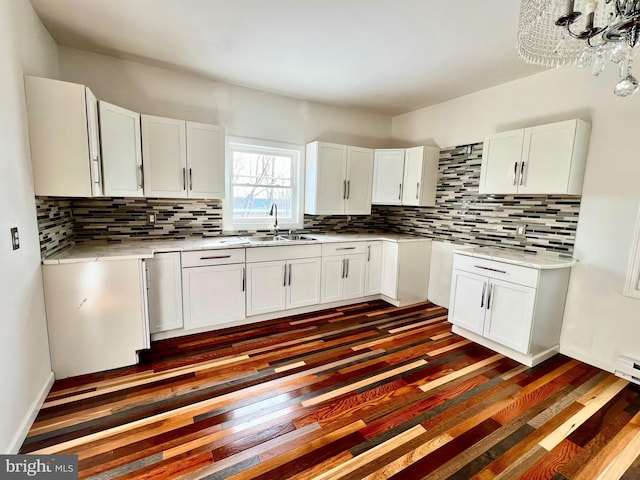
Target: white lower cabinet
{"type": "Point", "coordinates": [343, 271]}
{"type": "Point", "coordinates": [164, 285]}
{"type": "Point", "coordinates": [281, 284]}
{"type": "Point", "coordinates": [373, 280]}
{"type": "Point", "coordinates": [213, 287]}
{"type": "Point", "coordinates": [405, 271]}
{"type": "Point", "coordinates": [502, 305]}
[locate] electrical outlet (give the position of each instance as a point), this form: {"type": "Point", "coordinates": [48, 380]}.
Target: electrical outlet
{"type": "Point", "coordinates": [151, 218]}
{"type": "Point", "coordinates": [521, 231]}
{"type": "Point", "coordinates": [15, 238]}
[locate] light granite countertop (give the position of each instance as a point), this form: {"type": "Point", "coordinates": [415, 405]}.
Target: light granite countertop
{"type": "Point", "coordinates": [539, 261]}
{"type": "Point", "coordinates": [103, 251]}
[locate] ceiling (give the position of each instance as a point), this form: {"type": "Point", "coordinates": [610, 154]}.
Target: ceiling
{"type": "Point", "coordinates": [387, 56]}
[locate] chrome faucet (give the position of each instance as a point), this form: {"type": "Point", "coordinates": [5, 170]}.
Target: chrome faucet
{"type": "Point", "coordinates": [274, 208]}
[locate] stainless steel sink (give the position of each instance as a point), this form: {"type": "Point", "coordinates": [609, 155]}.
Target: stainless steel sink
{"type": "Point", "coordinates": [279, 238]}
{"type": "Point", "coordinates": [297, 237]}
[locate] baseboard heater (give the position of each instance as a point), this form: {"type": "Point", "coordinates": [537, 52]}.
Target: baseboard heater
{"type": "Point", "coordinates": [628, 368]}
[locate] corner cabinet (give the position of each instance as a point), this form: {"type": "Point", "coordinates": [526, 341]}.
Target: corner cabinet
{"type": "Point", "coordinates": [121, 151]}
{"type": "Point", "coordinates": [164, 292]}
{"type": "Point", "coordinates": [405, 176]}
{"type": "Point", "coordinates": [547, 159]}
{"type": "Point", "coordinates": [405, 271]}
{"type": "Point", "coordinates": [373, 281]}
{"type": "Point", "coordinates": [338, 179]}
{"type": "Point", "coordinates": [64, 138]}
{"type": "Point", "coordinates": [182, 159]}
{"type": "Point", "coordinates": [513, 309]}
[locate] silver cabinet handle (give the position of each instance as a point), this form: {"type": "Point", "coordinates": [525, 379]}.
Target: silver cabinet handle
{"type": "Point", "coordinates": [348, 189]}
{"type": "Point", "coordinates": [345, 248]}
{"type": "Point", "coordinates": [216, 257]}
{"type": "Point", "coordinates": [184, 178]}
{"type": "Point", "coordinates": [489, 296]}
{"type": "Point", "coordinates": [522, 173]}
{"type": "Point", "coordinates": [190, 180]}
{"type": "Point", "coordinates": [368, 253]}
{"type": "Point", "coordinates": [344, 189]}
{"type": "Point", "coordinates": [342, 274]}
{"type": "Point", "coordinates": [417, 189]}
{"type": "Point", "coordinates": [284, 275]}
{"type": "Point", "coordinates": [98, 172]}
{"type": "Point", "coordinates": [399, 191]}
{"type": "Point", "coordinates": [244, 279]}
{"type": "Point", "coordinates": [141, 176]}
{"type": "Point", "coordinates": [490, 269]}
{"type": "Point", "coordinates": [484, 288]}
{"type": "Point", "coordinates": [347, 274]}
{"type": "Point", "coordinates": [515, 172]}
{"type": "Point", "coordinates": [290, 274]}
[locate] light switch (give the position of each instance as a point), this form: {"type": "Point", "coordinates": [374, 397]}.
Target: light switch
{"type": "Point", "coordinates": [521, 230]}
{"type": "Point", "coordinates": [151, 218]}
{"type": "Point", "coordinates": [15, 238]}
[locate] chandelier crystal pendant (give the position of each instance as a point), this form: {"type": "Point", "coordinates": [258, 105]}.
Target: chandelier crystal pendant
{"type": "Point", "coordinates": [583, 33]}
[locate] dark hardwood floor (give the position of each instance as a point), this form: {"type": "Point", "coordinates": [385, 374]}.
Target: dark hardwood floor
{"type": "Point", "coordinates": [366, 391]}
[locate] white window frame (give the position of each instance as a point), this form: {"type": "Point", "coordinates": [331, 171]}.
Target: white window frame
{"type": "Point", "coordinates": [297, 184]}
{"type": "Point", "coordinates": [632, 285]}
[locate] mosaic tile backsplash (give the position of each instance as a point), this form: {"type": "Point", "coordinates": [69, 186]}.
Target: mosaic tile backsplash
{"type": "Point", "coordinates": [461, 215]}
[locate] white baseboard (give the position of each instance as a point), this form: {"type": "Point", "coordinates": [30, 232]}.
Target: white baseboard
{"type": "Point", "coordinates": [31, 415]}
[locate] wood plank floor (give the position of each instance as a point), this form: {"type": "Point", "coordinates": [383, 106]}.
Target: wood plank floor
{"type": "Point", "coordinates": [366, 391]}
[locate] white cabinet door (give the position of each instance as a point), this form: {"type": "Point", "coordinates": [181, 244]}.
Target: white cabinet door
{"type": "Point", "coordinates": [388, 173]}
{"type": "Point", "coordinates": [359, 177]}
{"type": "Point", "coordinates": [501, 162]}
{"type": "Point", "coordinates": [467, 304]}
{"type": "Point", "coordinates": [390, 266]}
{"type": "Point", "coordinates": [213, 295]}
{"type": "Point", "coordinates": [164, 277]}
{"type": "Point", "coordinates": [509, 314]}
{"type": "Point", "coordinates": [60, 158]}
{"type": "Point", "coordinates": [353, 281]}
{"type": "Point", "coordinates": [165, 157]}
{"type": "Point", "coordinates": [266, 287]}
{"type": "Point", "coordinates": [303, 282]}
{"type": "Point", "coordinates": [373, 281]}
{"type": "Point", "coordinates": [412, 180]}
{"type": "Point", "coordinates": [332, 273]}
{"type": "Point", "coordinates": [205, 159]}
{"type": "Point", "coordinates": [546, 158]}
{"type": "Point", "coordinates": [121, 151]}
{"type": "Point", "coordinates": [326, 178]}
{"type": "Point", "coordinates": [93, 129]}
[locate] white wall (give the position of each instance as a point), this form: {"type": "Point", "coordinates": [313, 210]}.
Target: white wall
{"type": "Point", "coordinates": [25, 369]}
{"type": "Point", "coordinates": [599, 321]}
{"type": "Point", "coordinates": [244, 112]}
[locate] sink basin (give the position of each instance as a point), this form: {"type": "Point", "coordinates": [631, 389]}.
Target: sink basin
{"type": "Point", "coordinates": [296, 237]}
{"type": "Point", "coordinates": [279, 238]}
{"type": "Point", "coordinates": [265, 239]}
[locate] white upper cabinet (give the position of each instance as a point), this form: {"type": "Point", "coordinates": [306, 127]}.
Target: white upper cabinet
{"type": "Point", "coordinates": [182, 159]}
{"type": "Point", "coordinates": [164, 149]}
{"type": "Point", "coordinates": [406, 176]}
{"type": "Point", "coordinates": [338, 179]}
{"type": "Point", "coordinates": [63, 133]}
{"type": "Point", "coordinates": [205, 160]}
{"type": "Point", "coordinates": [547, 159]}
{"type": "Point", "coordinates": [420, 176]}
{"type": "Point", "coordinates": [121, 151]}
{"type": "Point", "coordinates": [388, 174]}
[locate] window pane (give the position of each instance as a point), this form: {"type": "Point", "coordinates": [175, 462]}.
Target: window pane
{"type": "Point", "coordinates": [261, 169]}
{"type": "Point", "coordinates": [255, 202]}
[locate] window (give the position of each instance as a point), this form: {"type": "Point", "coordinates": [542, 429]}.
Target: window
{"type": "Point", "coordinates": [260, 174]}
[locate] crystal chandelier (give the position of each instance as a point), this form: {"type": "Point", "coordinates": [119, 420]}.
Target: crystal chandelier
{"type": "Point", "coordinates": [583, 33]}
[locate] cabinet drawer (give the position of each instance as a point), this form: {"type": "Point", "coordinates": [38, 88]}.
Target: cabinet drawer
{"type": "Point", "coordinates": [203, 258]}
{"type": "Point", "coordinates": [268, 254]}
{"type": "Point", "coordinates": [345, 248]}
{"type": "Point", "coordinates": [499, 270]}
